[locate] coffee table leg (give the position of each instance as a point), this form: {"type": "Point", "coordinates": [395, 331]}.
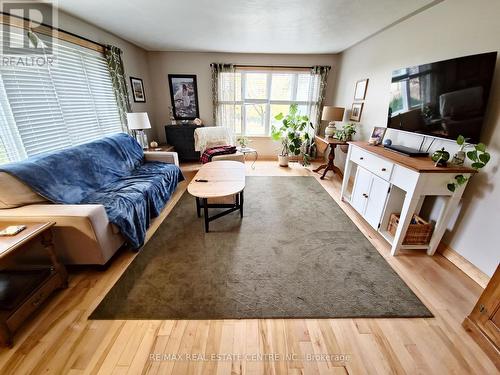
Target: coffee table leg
{"type": "Point", "coordinates": [5, 335]}
{"type": "Point", "coordinates": [241, 203]}
{"type": "Point", "coordinates": [205, 213]}
{"type": "Point", "coordinates": [198, 208]}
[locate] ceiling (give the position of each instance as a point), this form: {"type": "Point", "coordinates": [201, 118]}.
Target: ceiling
{"type": "Point", "coordinates": [256, 26]}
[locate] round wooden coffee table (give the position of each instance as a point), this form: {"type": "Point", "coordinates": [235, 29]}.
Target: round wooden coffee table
{"type": "Point", "coordinates": [214, 180]}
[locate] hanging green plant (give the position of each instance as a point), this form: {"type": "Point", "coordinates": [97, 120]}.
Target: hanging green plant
{"type": "Point", "coordinates": [479, 157]}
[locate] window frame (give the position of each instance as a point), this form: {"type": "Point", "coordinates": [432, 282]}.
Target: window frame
{"type": "Point", "coordinates": [268, 102]}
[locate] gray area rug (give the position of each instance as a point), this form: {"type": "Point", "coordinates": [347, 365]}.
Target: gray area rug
{"type": "Point", "coordinates": [295, 254]}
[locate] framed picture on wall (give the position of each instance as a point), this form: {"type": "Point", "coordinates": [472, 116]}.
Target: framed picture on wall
{"type": "Point", "coordinates": [356, 110]}
{"type": "Point", "coordinates": [360, 90]}
{"type": "Point", "coordinates": [137, 90]}
{"type": "Point", "coordinates": [184, 96]}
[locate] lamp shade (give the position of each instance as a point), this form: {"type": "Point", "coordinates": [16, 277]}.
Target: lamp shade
{"type": "Point", "coordinates": [331, 113]}
{"type": "Point", "coordinates": [138, 121]}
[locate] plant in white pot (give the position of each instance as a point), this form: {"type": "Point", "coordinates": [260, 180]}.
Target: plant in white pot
{"type": "Point", "coordinates": [293, 135]}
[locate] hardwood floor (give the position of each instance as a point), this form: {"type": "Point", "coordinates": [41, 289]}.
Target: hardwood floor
{"type": "Point", "coordinates": [60, 339]}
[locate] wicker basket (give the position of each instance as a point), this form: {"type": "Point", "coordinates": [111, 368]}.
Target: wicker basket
{"type": "Point", "coordinates": [419, 231]}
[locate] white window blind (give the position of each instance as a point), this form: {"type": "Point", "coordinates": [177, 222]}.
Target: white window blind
{"type": "Point", "coordinates": [57, 105]}
{"type": "Point", "coordinates": [249, 100]}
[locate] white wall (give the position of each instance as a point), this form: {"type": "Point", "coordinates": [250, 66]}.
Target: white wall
{"type": "Point", "coordinates": [450, 29]}
{"type": "Point", "coordinates": [163, 63]}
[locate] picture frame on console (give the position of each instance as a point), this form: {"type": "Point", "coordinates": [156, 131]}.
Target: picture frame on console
{"type": "Point", "coordinates": [377, 136]}
{"type": "Point", "coordinates": [184, 96]}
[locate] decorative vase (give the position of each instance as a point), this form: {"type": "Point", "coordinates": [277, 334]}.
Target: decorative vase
{"type": "Point", "coordinates": [283, 160]}
{"type": "Point", "coordinates": [458, 158]}
{"type": "Point", "coordinates": [330, 130]}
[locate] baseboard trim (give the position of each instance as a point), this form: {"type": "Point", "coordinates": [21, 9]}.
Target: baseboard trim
{"type": "Point", "coordinates": [463, 264]}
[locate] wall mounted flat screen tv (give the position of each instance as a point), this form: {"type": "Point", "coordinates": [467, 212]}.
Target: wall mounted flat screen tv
{"type": "Point", "coordinates": [442, 99]}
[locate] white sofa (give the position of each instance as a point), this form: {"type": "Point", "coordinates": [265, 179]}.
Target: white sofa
{"type": "Point", "coordinates": [83, 233]}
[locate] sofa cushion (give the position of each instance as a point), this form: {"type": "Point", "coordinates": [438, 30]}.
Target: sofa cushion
{"type": "Point", "coordinates": [15, 193]}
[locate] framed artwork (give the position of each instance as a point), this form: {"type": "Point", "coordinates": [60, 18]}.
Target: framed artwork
{"type": "Point", "coordinates": [184, 96]}
{"type": "Point", "coordinates": [356, 110]}
{"type": "Point", "coordinates": [360, 90]}
{"type": "Point", "coordinates": [377, 135]}
{"type": "Point", "coordinates": [137, 90]}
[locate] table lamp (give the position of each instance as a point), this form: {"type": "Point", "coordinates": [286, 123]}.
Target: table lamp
{"type": "Point", "coordinates": [331, 114]}
{"type": "Point", "coordinates": [137, 122]}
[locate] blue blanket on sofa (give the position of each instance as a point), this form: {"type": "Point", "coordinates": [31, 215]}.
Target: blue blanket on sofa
{"type": "Point", "coordinates": [110, 171]}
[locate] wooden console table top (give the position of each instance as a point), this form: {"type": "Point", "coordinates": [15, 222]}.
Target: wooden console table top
{"type": "Point", "coordinates": [422, 164]}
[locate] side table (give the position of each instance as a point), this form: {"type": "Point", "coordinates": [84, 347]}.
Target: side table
{"type": "Point", "coordinates": [160, 148]}
{"type": "Point", "coordinates": [249, 150]}
{"type": "Point", "coordinates": [26, 288]}
{"type": "Point", "coordinates": [322, 144]}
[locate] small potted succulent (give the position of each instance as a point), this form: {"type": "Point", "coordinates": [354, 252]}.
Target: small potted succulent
{"type": "Point", "coordinates": [243, 141]}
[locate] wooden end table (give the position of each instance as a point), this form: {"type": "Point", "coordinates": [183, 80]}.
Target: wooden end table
{"type": "Point", "coordinates": [27, 287]}
{"type": "Point", "coordinates": [162, 148]}
{"type": "Point", "coordinates": [322, 144]}
{"type": "Point", "coordinates": [249, 150]}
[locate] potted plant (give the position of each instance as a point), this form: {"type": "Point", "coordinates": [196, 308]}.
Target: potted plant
{"type": "Point", "coordinates": [243, 141]}
{"type": "Point", "coordinates": [346, 133]}
{"type": "Point", "coordinates": [477, 155]}
{"type": "Point", "coordinates": [293, 136]}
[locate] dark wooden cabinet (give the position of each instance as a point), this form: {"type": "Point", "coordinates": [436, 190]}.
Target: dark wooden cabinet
{"type": "Point", "coordinates": [484, 320]}
{"type": "Point", "coordinates": [182, 138]}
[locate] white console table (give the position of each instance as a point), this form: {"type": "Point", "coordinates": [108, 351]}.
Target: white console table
{"type": "Point", "coordinates": [387, 182]}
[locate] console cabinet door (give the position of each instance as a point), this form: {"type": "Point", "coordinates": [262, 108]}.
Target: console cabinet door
{"type": "Point", "coordinates": [376, 201]}
{"type": "Point", "coordinates": [361, 190]}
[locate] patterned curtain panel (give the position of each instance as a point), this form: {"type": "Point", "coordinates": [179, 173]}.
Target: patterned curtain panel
{"type": "Point", "coordinates": [224, 92]}
{"type": "Point", "coordinates": [320, 74]}
{"type": "Point", "coordinates": [115, 64]}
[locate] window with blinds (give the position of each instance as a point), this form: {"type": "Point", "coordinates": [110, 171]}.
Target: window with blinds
{"type": "Point", "coordinates": [52, 106]}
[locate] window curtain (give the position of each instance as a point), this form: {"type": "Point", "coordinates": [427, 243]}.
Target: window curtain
{"type": "Point", "coordinates": [223, 90]}
{"type": "Point", "coordinates": [318, 92]}
{"type": "Point", "coordinates": [113, 57]}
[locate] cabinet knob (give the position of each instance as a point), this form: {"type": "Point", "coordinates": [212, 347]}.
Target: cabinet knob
{"type": "Point", "coordinates": [384, 169]}
{"type": "Point", "coordinates": [361, 158]}
{"type": "Point", "coordinates": [365, 195]}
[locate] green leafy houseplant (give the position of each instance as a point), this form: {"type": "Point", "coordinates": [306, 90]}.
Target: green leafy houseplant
{"type": "Point", "coordinates": [243, 141]}
{"type": "Point", "coordinates": [479, 157]}
{"type": "Point", "coordinates": [346, 133]}
{"type": "Point", "coordinates": [293, 133]}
